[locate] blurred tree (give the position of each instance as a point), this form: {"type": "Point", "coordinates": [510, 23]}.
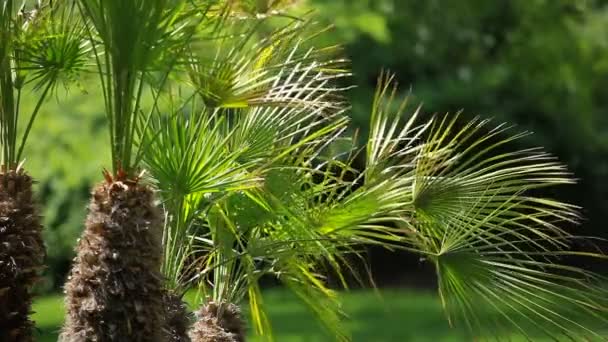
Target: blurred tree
{"type": "Point", "coordinates": [57, 146]}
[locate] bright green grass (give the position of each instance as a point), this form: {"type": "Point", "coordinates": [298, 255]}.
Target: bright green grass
{"type": "Point", "coordinates": [398, 315]}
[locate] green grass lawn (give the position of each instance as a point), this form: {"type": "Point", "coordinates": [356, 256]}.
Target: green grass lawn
{"type": "Point", "coordinates": [398, 315]}
{"type": "Point", "coordinates": [395, 316]}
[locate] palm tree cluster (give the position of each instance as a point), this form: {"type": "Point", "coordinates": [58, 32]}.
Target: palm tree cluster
{"type": "Point", "coordinates": [233, 162]}
{"type": "Point", "coordinates": [39, 50]}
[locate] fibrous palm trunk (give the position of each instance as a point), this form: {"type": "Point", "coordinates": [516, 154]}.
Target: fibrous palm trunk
{"type": "Point", "coordinates": [218, 323]}
{"type": "Point", "coordinates": [21, 255]}
{"type": "Point", "coordinates": [114, 292]}
{"type": "Point", "coordinates": [177, 319]}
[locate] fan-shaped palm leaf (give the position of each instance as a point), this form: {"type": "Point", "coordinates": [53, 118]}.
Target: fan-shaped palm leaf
{"type": "Point", "coordinates": [41, 45]}
{"type": "Point", "coordinates": [277, 70]}
{"type": "Point", "coordinates": [475, 213]}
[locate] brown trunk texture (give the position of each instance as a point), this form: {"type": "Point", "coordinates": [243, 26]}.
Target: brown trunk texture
{"type": "Point", "coordinates": [218, 323]}
{"type": "Point", "coordinates": [114, 292]}
{"type": "Point", "coordinates": [21, 255]}
{"type": "Point", "coordinates": [177, 319]}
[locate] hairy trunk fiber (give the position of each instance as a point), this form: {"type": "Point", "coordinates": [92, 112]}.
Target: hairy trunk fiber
{"type": "Point", "coordinates": [218, 323]}
{"type": "Point", "coordinates": [114, 292]}
{"type": "Point", "coordinates": [176, 318]}
{"type": "Point", "coordinates": [21, 255]}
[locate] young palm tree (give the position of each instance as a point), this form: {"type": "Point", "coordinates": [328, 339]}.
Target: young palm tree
{"type": "Point", "coordinates": [39, 46]}
{"type": "Point", "coordinates": [115, 289]}
{"type": "Point", "coordinates": [256, 101]}
{"type": "Point", "coordinates": [256, 181]}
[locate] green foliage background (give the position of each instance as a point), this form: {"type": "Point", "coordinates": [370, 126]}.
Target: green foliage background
{"type": "Point", "coordinates": [540, 64]}
{"type": "Point", "coordinates": [68, 151]}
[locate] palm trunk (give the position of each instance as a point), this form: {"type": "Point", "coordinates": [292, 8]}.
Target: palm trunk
{"type": "Point", "coordinates": [114, 292]}
{"type": "Point", "coordinates": [176, 318]}
{"type": "Point", "coordinates": [218, 323]}
{"type": "Point", "coordinates": [21, 255]}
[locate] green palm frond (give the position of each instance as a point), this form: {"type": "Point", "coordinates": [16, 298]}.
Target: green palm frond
{"type": "Point", "coordinates": [528, 288]}
{"type": "Point", "coordinates": [192, 153]}
{"type": "Point", "coordinates": [451, 179]}
{"type": "Point", "coordinates": [300, 278]}
{"type": "Point", "coordinates": [54, 47]}
{"type": "Point", "coordinates": [472, 207]}
{"type": "Point", "coordinates": [278, 70]}
{"type": "Point", "coordinates": [493, 241]}
{"type": "Point", "coordinates": [41, 45]}
{"type": "Point", "coordinates": [392, 144]}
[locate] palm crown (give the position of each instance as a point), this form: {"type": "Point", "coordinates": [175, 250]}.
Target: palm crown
{"type": "Point", "coordinates": [255, 169]}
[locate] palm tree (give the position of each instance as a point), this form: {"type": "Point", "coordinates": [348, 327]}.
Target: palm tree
{"type": "Point", "coordinates": [255, 172]}
{"type": "Point", "coordinates": [223, 146]}
{"type": "Point", "coordinates": [115, 290]}
{"type": "Point", "coordinates": [40, 46]}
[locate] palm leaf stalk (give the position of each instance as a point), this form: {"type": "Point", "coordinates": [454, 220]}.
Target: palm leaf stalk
{"type": "Point", "coordinates": [40, 46]}
{"type": "Point", "coordinates": [115, 291]}
{"type": "Point", "coordinates": [286, 206]}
